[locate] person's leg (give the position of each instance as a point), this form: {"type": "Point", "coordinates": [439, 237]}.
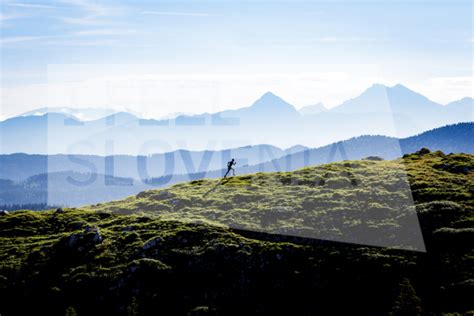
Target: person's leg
{"type": "Point", "coordinates": [233, 171]}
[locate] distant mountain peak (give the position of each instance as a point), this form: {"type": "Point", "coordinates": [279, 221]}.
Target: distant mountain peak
{"type": "Point", "coordinates": [400, 86]}
{"type": "Point", "coordinates": [463, 100]}
{"type": "Point", "coordinates": [464, 105]}
{"type": "Point", "coordinates": [269, 94]}
{"type": "Point", "coordinates": [395, 99]}
{"type": "Point", "coordinates": [380, 86]}
{"type": "Point", "coordinates": [377, 85]}
{"type": "Point", "coordinates": [268, 97]}
{"type": "Point", "coordinates": [81, 114]}
{"type": "Point", "coordinates": [271, 101]}
{"type": "Point", "coordinates": [375, 89]}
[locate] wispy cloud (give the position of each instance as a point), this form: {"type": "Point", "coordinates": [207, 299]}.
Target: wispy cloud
{"type": "Point", "coordinates": [19, 10]}
{"type": "Point", "coordinates": [176, 13]}
{"type": "Point", "coordinates": [20, 39]}
{"type": "Point", "coordinates": [5, 17]}
{"type": "Point", "coordinates": [85, 20]}
{"type": "Point", "coordinates": [29, 5]}
{"type": "Point", "coordinates": [92, 13]}
{"type": "Point", "coordinates": [78, 42]}
{"type": "Point", "coordinates": [335, 39]}
{"type": "Point", "coordinates": [78, 38]}
{"type": "Point", "coordinates": [58, 41]}
{"type": "Point", "coordinates": [103, 32]}
{"type": "Point", "coordinates": [91, 7]}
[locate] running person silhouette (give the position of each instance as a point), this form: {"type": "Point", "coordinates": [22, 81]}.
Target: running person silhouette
{"type": "Point", "coordinates": [230, 166]}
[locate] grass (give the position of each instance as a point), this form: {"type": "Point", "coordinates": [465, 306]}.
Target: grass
{"type": "Point", "coordinates": [367, 202]}
{"type": "Point", "coordinates": [240, 246]}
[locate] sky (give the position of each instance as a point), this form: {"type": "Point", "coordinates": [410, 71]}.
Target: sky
{"type": "Point", "coordinates": [157, 57]}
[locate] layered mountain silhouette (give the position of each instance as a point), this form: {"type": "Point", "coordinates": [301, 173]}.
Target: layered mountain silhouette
{"type": "Point", "coordinates": [455, 138]}
{"type": "Point", "coordinates": [381, 99]}
{"type": "Point", "coordinates": [85, 179]}
{"type": "Point", "coordinates": [83, 114]}
{"type": "Point", "coordinates": [391, 111]}
{"type": "Point", "coordinates": [19, 166]}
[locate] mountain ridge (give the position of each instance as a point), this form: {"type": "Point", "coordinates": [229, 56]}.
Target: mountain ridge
{"type": "Point", "coordinates": [392, 111]}
{"type": "Point", "coordinates": [150, 172]}
{"type": "Point", "coordinates": [267, 97]}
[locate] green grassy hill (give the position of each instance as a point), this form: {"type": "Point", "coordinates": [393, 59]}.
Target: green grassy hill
{"type": "Point", "coordinates": [240, 246]}
{"type": "Point", "coordinates": [368, 201]}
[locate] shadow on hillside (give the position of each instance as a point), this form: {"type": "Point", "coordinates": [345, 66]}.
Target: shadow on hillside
{"type": "Point", "coordinates": [221, 182]}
